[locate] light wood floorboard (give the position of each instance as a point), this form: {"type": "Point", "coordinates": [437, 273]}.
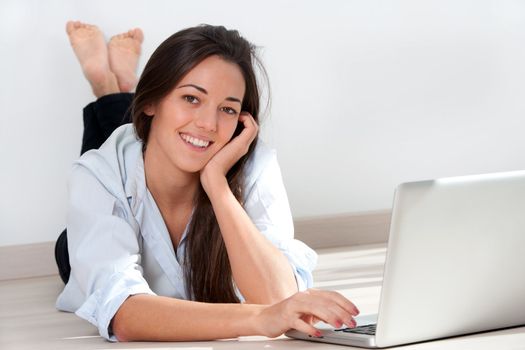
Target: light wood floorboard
{"type": "Point", "coordinates": [29, 320]}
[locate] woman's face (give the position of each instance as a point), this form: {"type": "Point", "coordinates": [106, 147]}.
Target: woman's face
{"type": "Point", "coordinates": [199, 116]}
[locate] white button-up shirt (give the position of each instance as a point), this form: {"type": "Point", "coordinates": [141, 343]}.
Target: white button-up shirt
{"type": "Point", "coordinates": [119, 244]}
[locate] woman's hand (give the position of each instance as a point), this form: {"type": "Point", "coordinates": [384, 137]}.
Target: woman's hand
{"type": "Point", "coordinates": [303, 310]}
{"type": "Point", "coordinates": [222, 161]}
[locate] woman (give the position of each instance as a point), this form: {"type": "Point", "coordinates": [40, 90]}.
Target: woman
{"type": "Point", "coordinates": [182, 215]}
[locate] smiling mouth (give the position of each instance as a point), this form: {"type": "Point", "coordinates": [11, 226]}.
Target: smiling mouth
{"type": "Point", "coordinates": [195, 141]}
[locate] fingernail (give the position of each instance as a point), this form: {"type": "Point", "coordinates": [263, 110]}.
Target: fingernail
{"type": "Point", "coordinates": [353, 324]}
{"type": "Point", "coordinates": [339, 323]}
{"type": "Point", "coordinates": [318, 333]}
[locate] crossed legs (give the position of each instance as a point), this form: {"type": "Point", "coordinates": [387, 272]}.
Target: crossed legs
{"type": "Point", "coordinates": [110, 70]}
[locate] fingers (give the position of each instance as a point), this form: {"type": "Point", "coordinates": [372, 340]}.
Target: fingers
{"type": "Point", "coordinates": [302, 310]}
{"type": "Point", "coordinates": [339, 299]}
{"type": "Point", "coordinates": [310, 319]}
{"type": "Point", "coordinates": [330, 307]}
{"type": "Point", "coordinates": [249, 124]}
{"type": "Point", "coordinates": [306, 328]}
{"type": "Point", "coordinates": [332, 314]}
{"type": "Point", "coordinates": [248, 121]}
{"type": "Point", "coordinates": [340, 317]}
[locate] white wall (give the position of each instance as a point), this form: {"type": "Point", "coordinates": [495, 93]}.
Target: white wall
{"type": "Point", "coordinates": [366, 94]}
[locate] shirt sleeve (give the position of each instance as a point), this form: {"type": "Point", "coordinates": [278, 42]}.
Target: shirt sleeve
{"type": "Point", "coordinates": [268, 207]}
{"type": "Point", "coordinates": [104, 250]}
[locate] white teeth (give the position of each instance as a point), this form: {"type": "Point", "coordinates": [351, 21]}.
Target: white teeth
{"type": "Point", "coordinates": [194, 141]}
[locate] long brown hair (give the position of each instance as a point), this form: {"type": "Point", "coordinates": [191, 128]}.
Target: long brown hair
{"type": "Point", "coordinates": [207, 267]}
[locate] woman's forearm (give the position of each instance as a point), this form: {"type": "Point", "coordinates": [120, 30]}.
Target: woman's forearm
{"type": "Point", "coordinates": [156, 318]}
{"type": "Point", "coordinates": [260, 270]}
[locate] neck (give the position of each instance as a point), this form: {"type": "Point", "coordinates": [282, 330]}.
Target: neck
{"type": "Point", "coordinates": [171, 187]}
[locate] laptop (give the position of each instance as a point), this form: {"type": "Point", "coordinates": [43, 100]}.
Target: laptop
{"type": "Point", "coordinates": [455, 263]}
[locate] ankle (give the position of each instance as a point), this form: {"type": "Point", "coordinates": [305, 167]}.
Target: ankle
{"type": "Point", "coordinates": [106, 86]}
{"type": "Point", "coordinates": [127, 85]}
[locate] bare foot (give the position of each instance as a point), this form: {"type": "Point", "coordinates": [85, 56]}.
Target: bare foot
{"type": "Point", "coordinates": [124, 52]}
{"type": "Point", "coordinates": [90, 48]}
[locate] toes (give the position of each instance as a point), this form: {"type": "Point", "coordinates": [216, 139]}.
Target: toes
{"type": "Point", "coordinates": [89, 26]}
{"type": "Point", "coordinates": [70, 26]}
{"type": "Point", "coordinates": [115, 38]}
{"type": "Point", "coordinates": [137, 34]}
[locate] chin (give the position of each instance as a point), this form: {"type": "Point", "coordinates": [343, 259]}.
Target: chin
{"type": "Point", "coordinates": [191, 167]}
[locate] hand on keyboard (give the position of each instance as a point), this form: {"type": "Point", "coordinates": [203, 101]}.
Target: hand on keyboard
{"type": "Point", "coordinates": [303, 309]}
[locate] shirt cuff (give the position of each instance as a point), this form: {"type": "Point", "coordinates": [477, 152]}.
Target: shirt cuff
{"type": "Point", "coordinates": [303, 280]}
{"type": "Point", "coordinates": [102, 305]}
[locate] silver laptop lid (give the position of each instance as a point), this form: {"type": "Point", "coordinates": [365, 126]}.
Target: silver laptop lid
{"type": "Point", "coordinates": [455, 259]}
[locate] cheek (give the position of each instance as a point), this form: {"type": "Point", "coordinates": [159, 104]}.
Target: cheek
{"type": "Point", "coordinates": [166, 121]}
{"type": "Point", "coordinates": [229, 129]}
{"type": "Point", "coordinates": [225, 134]}
{"type": "Point", "coordinates": [174, 116]}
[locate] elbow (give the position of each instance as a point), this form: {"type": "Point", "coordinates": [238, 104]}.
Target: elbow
{"type": "Point", "coordinates": [278, 298]}
{"type": "Point", "coordinates": [120, 330]}
{"type": "Point", "coordinates": [284, 291]}
{"type": "Point", "coordinates": [288, 293]}
{"type": "Point", "coordinates": [274, 296]}
{"type": "Point", "coordinates": [121, 326]}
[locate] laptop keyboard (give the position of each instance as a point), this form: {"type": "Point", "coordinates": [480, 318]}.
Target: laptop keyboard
{"type": "Point", "coordinates": [368, 329]}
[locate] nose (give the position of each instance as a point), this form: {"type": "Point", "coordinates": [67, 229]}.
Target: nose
{"type": "Point", "coordinates": [206, 120]}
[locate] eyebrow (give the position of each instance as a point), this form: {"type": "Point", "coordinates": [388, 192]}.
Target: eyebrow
{"type": "Point", "coordinates": [203, 90]}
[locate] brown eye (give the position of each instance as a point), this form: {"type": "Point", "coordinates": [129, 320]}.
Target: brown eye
{"type": "Point", "coordinates": [229, 110]}
{"type": "Point", "coordinates": [191, 99]}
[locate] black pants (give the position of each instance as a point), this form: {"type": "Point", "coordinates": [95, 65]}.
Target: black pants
{"type": "Point", "coordinates": [101, 118]}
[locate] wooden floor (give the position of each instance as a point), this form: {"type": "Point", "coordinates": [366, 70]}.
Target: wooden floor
{"type": "Point", "coordinates": [29, 320]}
